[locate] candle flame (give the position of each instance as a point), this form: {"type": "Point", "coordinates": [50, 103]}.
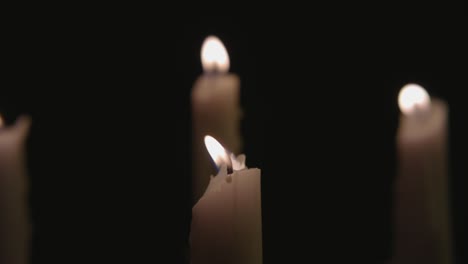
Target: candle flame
{"type": "Point", "coordinates": [214, 55]}
{"type": "Point", "coordinates": [413, 98]}
{"type": "Point", "coordinates": [217, 152]}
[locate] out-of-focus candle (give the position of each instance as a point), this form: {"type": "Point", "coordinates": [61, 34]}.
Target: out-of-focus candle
{"type": "Point", "coordinates": [215, 110]}
{"type": "Point", "coordinates": [421, 196]}
{"type": "Point", "coordinates": [227, 221]}
{"type": "Point", "coordinates": [14, 223]}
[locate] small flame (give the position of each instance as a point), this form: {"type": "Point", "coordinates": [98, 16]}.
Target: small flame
{"type": "Point", "coordinates": [214, 55]}
{"type": "Point", "coordinates": [217, 152]}
{"type": "Point", "coordinates": [413, 98]}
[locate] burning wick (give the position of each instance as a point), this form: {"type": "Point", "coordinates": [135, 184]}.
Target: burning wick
{"type": "Point", "coordinates": [218, 153]}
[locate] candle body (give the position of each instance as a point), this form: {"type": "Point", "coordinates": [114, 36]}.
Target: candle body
{"type": "Point", "coordinates": [14, 224]}
{"type": "Point", "coordinates": [215, 111]}
{"type": "Point", "coordinates": [422, 207]}
{"type": "Point", "coordinates": [226, 221]}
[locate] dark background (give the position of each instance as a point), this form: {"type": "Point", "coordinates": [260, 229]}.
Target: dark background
{"type": "Point", "coordinates": [109, 152]}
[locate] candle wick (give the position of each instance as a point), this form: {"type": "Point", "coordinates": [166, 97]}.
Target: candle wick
{"type": "Point", "coordinates": [229, 166]}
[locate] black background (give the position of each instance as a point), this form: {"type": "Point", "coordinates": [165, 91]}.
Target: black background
{"type": "Point", "coordinates": [109, 94]}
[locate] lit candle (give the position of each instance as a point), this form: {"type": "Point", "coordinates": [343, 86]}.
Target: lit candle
{"type": "Point", "coordinates": [227, 221]}
{"type": "Point", "coordinates": [215, 110]}
{"type": "Point", "coordinates": [422, 215]}
{"type": "Point", "coordinates": [14, 224]}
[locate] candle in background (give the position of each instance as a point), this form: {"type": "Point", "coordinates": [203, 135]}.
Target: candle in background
{"type": "Point", "coordinates": [215, 110]}
{"type": "Point", "coordinates": [421, 196]}
{"type": "Point", "coordinates": [227, 221]}
{"type": "Point", "coordinates": [14, 223]}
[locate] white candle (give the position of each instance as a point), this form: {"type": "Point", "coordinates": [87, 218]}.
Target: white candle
{"type": "Point", "coordinates": [14, 224]}
{"type": "Point", "coordinates": [421, 191]}
{"type": "Point", "coordinates": [227, 221]}
{"type": "Point", "coordinates": [215, 110]}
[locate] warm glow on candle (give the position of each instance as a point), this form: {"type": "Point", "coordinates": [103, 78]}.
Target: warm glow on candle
{"type": "Point", "coordinates": [413, 98]}
{"type": "Point", "coordinates": [214, 55]}
{"type": "Point", "coordinates": [1, 121]}
{"type": "Point", "coordinates": [217, 152]}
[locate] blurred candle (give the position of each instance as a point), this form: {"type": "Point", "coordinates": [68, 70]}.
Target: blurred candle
{"type": "Point", "coordinates": [422, 208]}
{"type": "Point", "coordinates": [14, 224]}
{"type": "Point", "coordinates": [227, 221]}
{"type": "Point", "coordinates": [215, 110]}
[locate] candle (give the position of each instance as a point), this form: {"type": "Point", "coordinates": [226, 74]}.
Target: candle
{"type": "Point", "coordinates": [14, 224]}
{"type": "Point", "coordinates": [422, 215]}
{"type": "Point", "coordinates": [215, 110]}
{"type": "Point", "coordinates": [227, 221]}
